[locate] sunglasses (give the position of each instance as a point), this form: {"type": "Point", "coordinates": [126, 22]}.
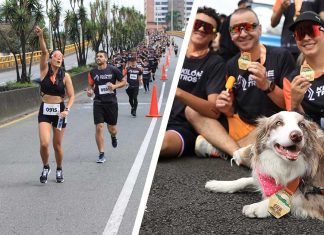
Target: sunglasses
{"type": "Point", "coordinates": [312, 30]}
{"type": "Point", "coordinates": [247, 27]}
{"type": "Point", "coordinates": [208, 28]}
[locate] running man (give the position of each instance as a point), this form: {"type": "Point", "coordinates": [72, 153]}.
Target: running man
{"type": "Point", "coordinates": [103, 83]}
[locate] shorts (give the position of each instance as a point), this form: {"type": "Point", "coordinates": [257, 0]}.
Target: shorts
{"type": "Point", "coordinates": [51, 118]}
{"type": "Point", "coordinates": [105, 112]}
{"type": "Point", "coordinates": [238, 129]}
{"type": "Point", "coordinates": [153, 69]}
{"type": "Point", "coordinates": [187, 135]}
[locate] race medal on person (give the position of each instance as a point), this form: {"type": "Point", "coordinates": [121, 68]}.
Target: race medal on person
{"type": "Point", "coordinates": [307, 72]}
{"type": "Point", "coordinates": [244, 60]}
{"type": "Point", "coordinates": [279, 204]}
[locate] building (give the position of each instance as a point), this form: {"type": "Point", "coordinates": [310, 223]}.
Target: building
{"type": "Point", "coordinates": [158, 11]}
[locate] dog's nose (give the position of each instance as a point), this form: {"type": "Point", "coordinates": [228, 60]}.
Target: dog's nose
{"type": "Point", "coordinates": [296, 136]}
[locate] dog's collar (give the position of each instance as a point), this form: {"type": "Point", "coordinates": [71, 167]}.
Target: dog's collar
{"type": "Point", "coordinates": [269, 186]}
{"type": "Point", "coordinates": [310, 189]}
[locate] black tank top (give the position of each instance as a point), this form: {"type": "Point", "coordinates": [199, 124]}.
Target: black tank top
{"type": "Point", "coordinates": [56, 89]}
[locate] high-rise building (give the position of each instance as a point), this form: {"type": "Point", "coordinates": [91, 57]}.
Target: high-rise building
{"type": "Point", "coordinates": [158, 14]}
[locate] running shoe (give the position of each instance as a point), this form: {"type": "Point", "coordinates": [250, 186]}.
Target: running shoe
{"type": "Point", "coordinates": [134, 113]}
{"type": "Point", "coordinates": [44, 175]}
{"type": "Point", "coordinates": [59, 176]}
{"type": "Point", "coordinates": [114, 141]}
{"type": "Point", "coordinates": [101, 158]}
{"type": "Point", "coordinates": [204, 149]}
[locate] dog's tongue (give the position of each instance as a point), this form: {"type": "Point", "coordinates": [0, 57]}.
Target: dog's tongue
{"type": "Point", "coordinates": [289, 152]}
{"type": "Point", "coordinates": [291, 155]}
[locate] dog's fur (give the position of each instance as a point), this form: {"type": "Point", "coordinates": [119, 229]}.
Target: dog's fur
{"type": "Point", "coordinates": [283, 156]}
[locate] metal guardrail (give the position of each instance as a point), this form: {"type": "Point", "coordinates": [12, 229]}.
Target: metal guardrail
{"type": "Point", "coordinates": [176, 33]}
{"type": "Point", "coordinates": [9, 61]}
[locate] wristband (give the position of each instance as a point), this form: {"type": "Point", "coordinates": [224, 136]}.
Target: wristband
{"type": "Point", "coordinates": [67, 109]}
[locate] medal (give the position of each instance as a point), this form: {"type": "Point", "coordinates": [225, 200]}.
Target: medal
{"type": "Point", "coordinates": [279, 204]}
{"type": "Point", "coordinates": [307, 72]}
{"type": "Point", "coordinates": [244, 60]}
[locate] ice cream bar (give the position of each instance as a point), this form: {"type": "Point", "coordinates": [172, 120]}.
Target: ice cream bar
{"type": "Point", "coordinates": [230, 82]}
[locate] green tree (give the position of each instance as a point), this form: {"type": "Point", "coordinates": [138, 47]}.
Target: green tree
{"type": "Point", "coordinates": [76, 24]}
{"type": "Point", "coordinates": [98, 24]}
{"type": "Point", "coordinates": [177, 20]}
{"type": "Point", "coordinates": [126, 28]}
{"type": "Point", "coordinates": [22, 15]}
{"type": "Point", "coordinates": [54, 12]}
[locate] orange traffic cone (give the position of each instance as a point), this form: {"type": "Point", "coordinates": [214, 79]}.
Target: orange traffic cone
{"type": "Point", "coordinates": [163, 77]}
{"type": "Point", "coordinates": [154, 112]}
{"type": "Point", "coordinates": [167, 61]}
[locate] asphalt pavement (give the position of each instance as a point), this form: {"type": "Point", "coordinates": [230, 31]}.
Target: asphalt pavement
{"type": "Point", "coordinates": [179, 204]}
{"type": "Point", "coordinates": [94, 198]}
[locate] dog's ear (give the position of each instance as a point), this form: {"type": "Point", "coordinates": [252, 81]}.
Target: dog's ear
{"type": "Point", "coordinates": [262, 131]}
{"type": "Point", "coordinates": [314, 150]}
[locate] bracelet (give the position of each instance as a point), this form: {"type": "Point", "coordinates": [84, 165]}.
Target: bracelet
{"type": "Point", "coordinates": [67, 109]}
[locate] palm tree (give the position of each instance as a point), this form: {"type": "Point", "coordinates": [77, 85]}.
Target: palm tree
{"type": "Point", "coordinates": [76, 22]}
{"type": "Point", "coordinates": [23, 16]}
{"type": "Point", "coordinates": [177, 22]}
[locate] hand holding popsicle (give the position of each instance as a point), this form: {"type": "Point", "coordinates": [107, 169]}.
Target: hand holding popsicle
{"type": "Point", "coordinates": [230, 83]}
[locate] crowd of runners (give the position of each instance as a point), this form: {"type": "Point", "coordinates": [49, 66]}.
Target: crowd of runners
{"type": "Point", "coordinates": [134, 69]}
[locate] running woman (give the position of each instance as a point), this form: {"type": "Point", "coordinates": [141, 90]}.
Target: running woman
{"type": "Point", "coordinates": [102, 81]}
{"type": "Point", "coordinates": [55, 83]}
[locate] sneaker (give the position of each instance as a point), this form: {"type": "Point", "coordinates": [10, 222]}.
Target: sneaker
{"type": "Point", "coordinates": [134, 113]}
{"type": "Point", "coordinates": [101, 158]}
{"type": "Point", "coordinates": [114, 141]}
{"type": "Point", "coordinates": [204, 149]}
{"type": "Point", "coordinates": [44, 175]}
{"type": "Point", "coordinates": [59, 176]}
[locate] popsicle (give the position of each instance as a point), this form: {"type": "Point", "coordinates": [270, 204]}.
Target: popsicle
{"type": "Point", "coordinates": [229, 83]}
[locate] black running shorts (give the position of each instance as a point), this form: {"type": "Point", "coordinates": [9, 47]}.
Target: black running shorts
{"type": "Point", "coordinates": [50, 118]}
{"type": "Point", "coordinates": [105, 112]}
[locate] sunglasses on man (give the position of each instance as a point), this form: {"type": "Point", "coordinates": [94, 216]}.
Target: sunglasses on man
{"type": "Point", "coordinates": [208, 28]}
{"type": "Point", "coordinates": [311, 29]}
{"type": "Point", "coordinates": [247, 27]}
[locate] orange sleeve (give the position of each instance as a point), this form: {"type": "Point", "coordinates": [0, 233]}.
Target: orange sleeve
{"type": "Point", "coordinates": [90, 80]}
{"type": "Point", "coordinates": [124, 72]}
{"type": "Point", "coordinates": [276, 6]}
{"type": "Point", "coordinates": [287, 93]}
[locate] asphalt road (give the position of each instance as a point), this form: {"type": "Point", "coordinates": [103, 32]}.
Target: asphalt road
{"type": "Point", "coordinates": [179, 204]}
{"type": "Point", "coordinates": [94, 198]}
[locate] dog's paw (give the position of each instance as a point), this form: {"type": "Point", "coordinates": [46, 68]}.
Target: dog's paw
{"type": "Point", "coordinates": [218, 186]}
{"type": "Point", "coordinates": [257, 210]}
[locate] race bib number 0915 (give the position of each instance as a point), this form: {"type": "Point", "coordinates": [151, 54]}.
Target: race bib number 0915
{"type": "Point", "coordinates": [51, 109]}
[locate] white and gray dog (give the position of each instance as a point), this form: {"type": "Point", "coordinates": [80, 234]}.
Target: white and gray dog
{"type": "Point", "coordinates": [287, 148]}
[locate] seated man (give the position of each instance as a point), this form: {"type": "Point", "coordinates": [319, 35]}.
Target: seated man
{"type": "Point", "coordinates": [259, 72]}
{"type": "Point", "coordinates": [202, 78]}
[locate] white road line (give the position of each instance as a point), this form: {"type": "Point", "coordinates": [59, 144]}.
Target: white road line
{"type": "Point", "coordinates": [117, 214]}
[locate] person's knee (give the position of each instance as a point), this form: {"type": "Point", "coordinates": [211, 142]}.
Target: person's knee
{"type": "Point", "coordinates": [112, 129]}
{"type": "Point", "coordinates": [191, 114]}
{"type": "Point", "coordinates": [99, 127]}
{"type": "Point", "coordinates": [171, 145]}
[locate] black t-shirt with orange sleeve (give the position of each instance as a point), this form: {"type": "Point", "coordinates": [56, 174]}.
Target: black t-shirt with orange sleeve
{"type": "Point", "coordinates": [99, 78]}
{"type": "Point", "coordinates": [313, 102]}
{"type": "Point", "coordinates": [250, 101]}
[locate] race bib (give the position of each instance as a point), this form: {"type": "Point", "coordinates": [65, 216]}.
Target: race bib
{"type": "Point", "coordinates": [51, 109]}
{"type": "Point", "coordinates": [103, 89]}
{"type": "Point", "coordinates": [133, 76]}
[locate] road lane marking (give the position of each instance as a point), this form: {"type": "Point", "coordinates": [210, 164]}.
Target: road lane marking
{"type": "Point", "coordinates": [118, 212]}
